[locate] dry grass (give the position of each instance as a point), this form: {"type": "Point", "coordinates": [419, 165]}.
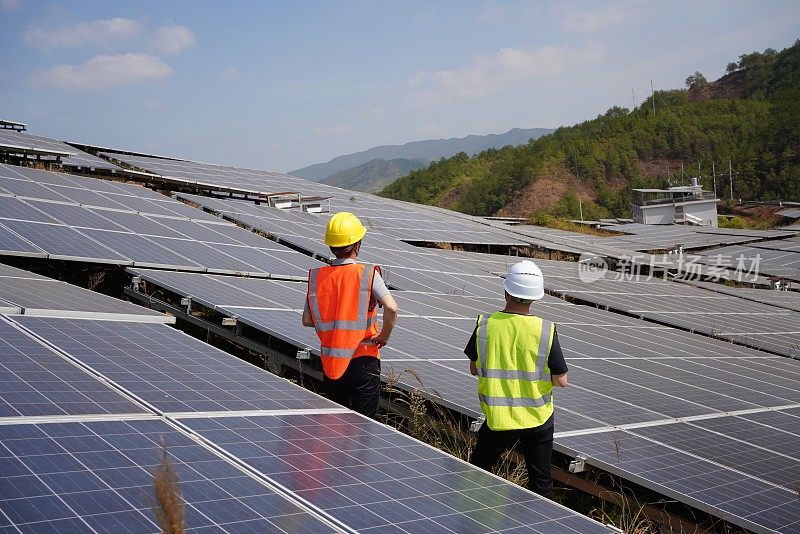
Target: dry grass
{"type": "Point", "coordinates": [431, 423]}
{"type": "Point", "coordinates": [168, 501]}
{"type": "Point", "coordinates": [628, 516]}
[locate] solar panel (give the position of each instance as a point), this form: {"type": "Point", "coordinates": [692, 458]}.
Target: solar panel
{"type": "Point", "coordinates": [86, 197]}
{"type": "Point", "coordinates": [27, 189]}
{"type": "Point", "coordinates": [44, 296]}
{"type": "Point", "coordinates": [12, 244]}
{"type": "Point", "coordinates": [781, 299]}
{"type": "Point", "coordinates": [213, 259]}
{"type": "Point", "coordinates": [170, 370]}
{"type": "Point", "coordinates": [145, 206]}
{"type": "Point", "coordinates": [73, 215]}
{"type": "Point", "coordinates": [62, 242]}
{"type": "Point", "coordinates": [35, 381]}
{"type": "Point", "coordinates": [369, 476]}
{"type": "Point", "coordinates": [13, 208]}
{"type": "Point", "coordinates": [75, 157]}
{"type": "Point", "coordinates": [140, 224]}
{"type": "Point", "coordinates": [97, 476]}
{"type": "Point", "coordinates": [145, 252]}
{"type": "Point", "coordinates": [729, 493]}
{"type": "Point", "coordinates": [283, 324]}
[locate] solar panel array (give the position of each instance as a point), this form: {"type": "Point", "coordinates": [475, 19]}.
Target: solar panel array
{"type": "Point", "coordinates": [623, 373]}
{"type": "Point", "coordinates": [86, 405]}
{"type": "Point", "coordinates": [627, 376]}
{"type": "Point", "coordinates": [781, 299]}
{"type": "Point", "coordinates": [58, 216]}
{"type": "Point", "coordinates": [70, 156]}
{"type": "Point", "coordinates": [776, 262]}
{"type": "Point", "coordinates": [31, 294]}
{"type": "Point", "coordinates": [690, 308]}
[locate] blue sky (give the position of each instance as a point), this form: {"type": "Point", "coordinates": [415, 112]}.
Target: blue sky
{"type": "Point", "coordinates": [281, 85]}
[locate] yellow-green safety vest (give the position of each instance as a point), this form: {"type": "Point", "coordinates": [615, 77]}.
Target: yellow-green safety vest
{"type": "Point", "coordinates": [514, 383]}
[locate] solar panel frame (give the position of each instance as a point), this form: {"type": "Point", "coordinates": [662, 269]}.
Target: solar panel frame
{"type": "Point", "coordinates": [26, 189]}
{"type": "Point", "coordinates": [704, 484]}
{"type": "Point", "coordinates": [63, 242]}
{"type": "Point", "coordinates": [36, 381]}
{"type": "Point", "coordinates": [98, 472]}
{"type": "Point", "coordinates": [169, 370]}
{"type": "Point", "coordinates": [146, 253]}
{"type": "Point", "coordinates": [12, 244]}
{"type": "Point", "coordinates": [13, 208]}
{"type": "Point", "coordinates": [368, 475]}
{"type": "Point", "coordinates": [73, 215]}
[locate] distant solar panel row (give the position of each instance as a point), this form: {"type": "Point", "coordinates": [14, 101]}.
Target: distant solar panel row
{"type": "Point", "coordinates": [70, 156]}
{"type": "Point", "coordinates": [59, 230]}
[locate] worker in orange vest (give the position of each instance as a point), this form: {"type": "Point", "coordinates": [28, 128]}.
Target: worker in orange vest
{"type": "Point", "coordinates": [341, 305]}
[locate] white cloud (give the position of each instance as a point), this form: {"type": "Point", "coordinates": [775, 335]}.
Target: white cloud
{"type": "Point", "coordinates": [591, 21]}
{"type": "Point", "coordinates": [10, 5]}
{"type": "Point", "coordinates": [99, 33]}
{"type": "Point", "coordinates": [230, 74]}
{"type": "Point", "coordinates": [333, 129]}
{"type": "Point", "coordinates": [103, 71]}
{"type": "Point", "coordinates": [428, 128]}
{"type": "Point", "coordinates": [377, 112]}
{"type": "Point", "coordinates": [172, 40]}
{"type": "Point", "coordinates": [489, 74]}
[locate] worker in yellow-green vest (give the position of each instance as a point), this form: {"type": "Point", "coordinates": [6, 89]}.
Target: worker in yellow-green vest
{"type": "Point", "coordinates": [518, 360]}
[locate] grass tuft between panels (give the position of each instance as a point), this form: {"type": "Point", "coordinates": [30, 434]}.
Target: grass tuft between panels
{"type": "Point", "coordinates": [167, 502]}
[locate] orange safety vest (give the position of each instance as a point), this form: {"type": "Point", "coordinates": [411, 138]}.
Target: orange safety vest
{"type": "Point", "coordinates": [339, 300]}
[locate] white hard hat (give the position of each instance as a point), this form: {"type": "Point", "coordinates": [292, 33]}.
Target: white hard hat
{"type": "Point", "coordinates": [524, 280]}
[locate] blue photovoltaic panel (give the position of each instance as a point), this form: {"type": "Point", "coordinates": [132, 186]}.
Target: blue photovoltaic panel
{"type": "Point", "coordinates": [52, 297]}
{"type": "Point", "coordinates": [13, 208]}
{"type": "Point", "coordinates": [142, 250]}
{"type": "Point", "coordinates": [13, 244]}
{"type": "Point", "coordinates": [171, 370]}
{"type": "Point", "coordinates": [73, 215]}
{"type": "Point", "coordinates": [25, 188]}
{"type": "Point", "coordinates": [76, 158]}
{"type": "Point", "coordinates": [752, 503]}
{"type": "Point", "coordinates": [375, 479]}
{"type": "Point", "coordinates": [63, 241]}
{"type": "Point", "coordinates": [98, 477]}
{"type": "Point", "coordinates": [36, 381]}
{"type": "Point", "coordinates": [140, 224]}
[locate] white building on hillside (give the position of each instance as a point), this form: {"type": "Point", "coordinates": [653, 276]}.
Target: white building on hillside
{"type": "Point", "coordinates": [681, 205]}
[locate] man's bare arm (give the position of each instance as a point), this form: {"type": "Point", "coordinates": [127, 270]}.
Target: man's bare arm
{"type": "Point", "coordinates": [308, 320]}
{"type": "Point", "coordinates": [473, 369]}
{"type": "Point", "coordinates": [389, 320]}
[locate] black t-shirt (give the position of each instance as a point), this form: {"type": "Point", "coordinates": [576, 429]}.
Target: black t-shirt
{"type": "Point", "coordinates": [555, 360]}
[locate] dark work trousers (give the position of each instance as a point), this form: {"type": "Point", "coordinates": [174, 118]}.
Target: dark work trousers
{"type": "Point", "coordinates": [535, 444]}
{"type": "Point", "coordinates": [359, 388]}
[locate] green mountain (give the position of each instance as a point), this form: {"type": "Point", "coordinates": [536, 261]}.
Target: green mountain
{"type": "Point", "coordinates": [750, 117]}
{"type": "Point", "coordinates": [429, 150]}
{"type": "Point", "coordinates": [374, 175]}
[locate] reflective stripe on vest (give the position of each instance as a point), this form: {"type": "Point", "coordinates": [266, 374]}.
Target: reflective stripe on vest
{"type": "Point", "coordinates": [514, 382]}
{"type": "Point", "coordinates": [339, 299]}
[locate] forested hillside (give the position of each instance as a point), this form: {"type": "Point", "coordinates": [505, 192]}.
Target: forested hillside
{"type": "Point", "coordinates": [374, 175]}
{"type": "Point", "coordinates": [750, 117]}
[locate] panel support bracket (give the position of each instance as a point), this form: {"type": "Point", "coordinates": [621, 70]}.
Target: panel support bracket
{"type": "Point", "coordinates": [578, 465]}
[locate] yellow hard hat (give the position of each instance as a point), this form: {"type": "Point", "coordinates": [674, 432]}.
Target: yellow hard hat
{"type": "Point", "coordinates": [344, 229]}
